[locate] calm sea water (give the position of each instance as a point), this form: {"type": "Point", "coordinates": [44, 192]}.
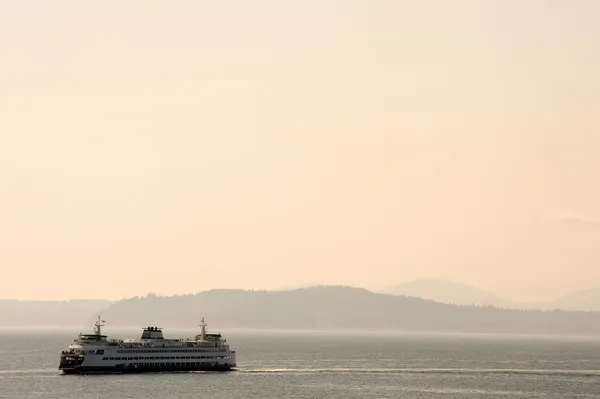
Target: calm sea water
{"type": "Point", "coordinates": [327, 365]}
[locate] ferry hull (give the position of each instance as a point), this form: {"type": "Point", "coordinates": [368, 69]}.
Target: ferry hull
{"type": "Point", "coordinates": [130, 369]}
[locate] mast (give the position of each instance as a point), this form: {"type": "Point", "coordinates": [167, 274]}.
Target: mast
{"type": "Point", "coordinates": [98, 326]}
{"type": "Point", "coordinates": [202, 329]}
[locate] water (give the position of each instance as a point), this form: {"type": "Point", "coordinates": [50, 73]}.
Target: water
{"type": "Point", "coordinates": [327, 365]}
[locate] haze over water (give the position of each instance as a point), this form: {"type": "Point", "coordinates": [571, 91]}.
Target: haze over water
{"type": "Point", "coordinates": [175, 147]}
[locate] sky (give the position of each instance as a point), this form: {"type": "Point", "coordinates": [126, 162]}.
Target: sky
{"type": "Point", "coordinates": [174, 147]}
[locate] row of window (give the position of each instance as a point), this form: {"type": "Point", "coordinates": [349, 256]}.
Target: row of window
{"type": "Point", "coordinates": [169, 350]}
{"type": "Point", "coordinates": [169, 365]}
{"type": "Point", "coordinates": [166, 357]}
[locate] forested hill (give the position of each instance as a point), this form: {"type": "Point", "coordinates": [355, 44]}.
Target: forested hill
{"type": "Point", "coordinates": [339, 308]}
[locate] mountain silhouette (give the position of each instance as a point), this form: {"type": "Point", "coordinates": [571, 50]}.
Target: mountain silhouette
{"type": "Point", "coordinates": [446, 291]}
{"type": "Point", "coordinates": [339, 307]}
{"type": "Point", "coordinates": [588, 299]}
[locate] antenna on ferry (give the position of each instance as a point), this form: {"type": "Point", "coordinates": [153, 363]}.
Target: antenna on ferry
{"type": "Point", "coordinates": [202, 329]}
{"type": "Point", "coordinates": [98, 325]}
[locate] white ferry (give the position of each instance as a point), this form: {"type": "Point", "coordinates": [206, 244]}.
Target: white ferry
{"type": "Point", "coordinates": [94, 353]}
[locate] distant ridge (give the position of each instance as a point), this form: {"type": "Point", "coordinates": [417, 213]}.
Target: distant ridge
{"type": "Point", "coordinates": [446, 291]}
{"type": "Point", "coordinates": [451, 292]}
{"type": "Point", "coordinates": [588, 299]}
{"type": "Point", "coordinates": [71, 313]}
{"type": "Point", "coordinates": [338, 307]}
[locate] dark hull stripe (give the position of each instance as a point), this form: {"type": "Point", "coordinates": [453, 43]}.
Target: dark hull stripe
{"type": "Point", "coordinates": [145, 369]}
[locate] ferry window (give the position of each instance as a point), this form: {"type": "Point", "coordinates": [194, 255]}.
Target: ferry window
{"type": "Point", "coordinates": [104, 358]}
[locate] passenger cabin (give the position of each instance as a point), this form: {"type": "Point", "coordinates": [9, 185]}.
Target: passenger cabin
{"type": "Point", "coordinates": [209, 337]}
{"type": "Point", "coordinates": [152, 333]}
{"type": "Point", "coordinates": [90, 338]}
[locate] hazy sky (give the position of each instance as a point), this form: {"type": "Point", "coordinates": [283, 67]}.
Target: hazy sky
{"type": "Point", "coordinates": [179, 146]}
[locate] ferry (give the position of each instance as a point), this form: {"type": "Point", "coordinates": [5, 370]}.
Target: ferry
{"type": "Point", "coordinates": [152, 352]}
